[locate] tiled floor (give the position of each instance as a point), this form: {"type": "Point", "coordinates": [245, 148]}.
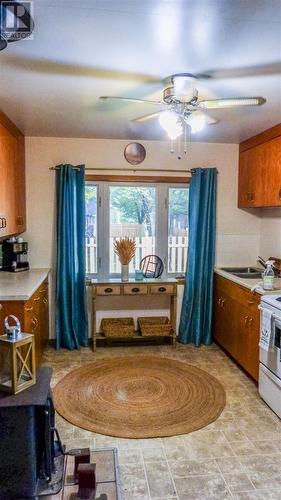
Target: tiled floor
{"type": "Point", "coordinates": [238, 456]}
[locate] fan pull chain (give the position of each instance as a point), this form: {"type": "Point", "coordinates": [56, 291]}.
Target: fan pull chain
{"type": "Point", "coordinates": [179, 148]}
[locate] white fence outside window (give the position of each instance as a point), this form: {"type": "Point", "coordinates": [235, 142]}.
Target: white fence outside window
{"type": "Point", "coordinates": [177, 254]}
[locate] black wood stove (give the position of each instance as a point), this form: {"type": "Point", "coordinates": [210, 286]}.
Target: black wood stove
{"type": "Point", "coordinates": [31, 454]}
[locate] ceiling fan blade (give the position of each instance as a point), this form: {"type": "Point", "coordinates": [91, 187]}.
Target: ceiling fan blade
{"type": "Point", "coordinates": [129, 99]}
{"type": "Point", "coordinates": [47, 66]}
{"type": "Point", "coordinates": [148, 117]}
{"type": "Point", "coordinates": [232, 102]}
{"type": "Point", "coordinates": [242, 72]}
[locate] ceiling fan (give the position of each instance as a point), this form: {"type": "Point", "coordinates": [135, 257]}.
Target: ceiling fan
{"type": "Point", "coordinates": [182, 106]}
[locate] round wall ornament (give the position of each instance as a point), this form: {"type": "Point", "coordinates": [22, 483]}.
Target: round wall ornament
{"type": "Point", "coordinates": [134, 153]}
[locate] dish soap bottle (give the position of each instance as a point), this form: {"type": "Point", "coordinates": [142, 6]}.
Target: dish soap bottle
{"type": "Point", "coordinates": [268, 276]}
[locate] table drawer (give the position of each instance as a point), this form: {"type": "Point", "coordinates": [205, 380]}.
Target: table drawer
{"type": "Point", "coordinates": [108, 290]}
{"type": "Point", "coordinates": [162, 289]}
{"type": "Point", "coordinates": [135, 289]}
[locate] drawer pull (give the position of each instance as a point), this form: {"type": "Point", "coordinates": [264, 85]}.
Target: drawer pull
{"type": "Point", "coordinates": [162, 289]}
{"type": "Point", "coordinates": [36, 299]}
{"type": "Point", "coordinates": [45, 300]}
{"type": "Point", "coordinates": [30, 308]}
{"type": "Point", "coordinates": [108, 290]}
{"type": "Point", "coordinates": [246, 321]}
{"type": "Point", "coordinates": [135, 290]}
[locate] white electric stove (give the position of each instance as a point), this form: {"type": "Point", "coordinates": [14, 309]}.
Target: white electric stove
{"type": "Point", "coordinates": [270, 352]}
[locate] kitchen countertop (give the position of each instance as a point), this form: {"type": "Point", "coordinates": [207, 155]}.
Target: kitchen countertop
{"type": "Point", "coordinates": [21, 286]}
{"type": "Point", "coordinates": [250, 283]}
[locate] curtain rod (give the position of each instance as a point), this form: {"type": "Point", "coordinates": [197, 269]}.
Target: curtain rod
{"type": "Point", "coordinates": [131, 170]}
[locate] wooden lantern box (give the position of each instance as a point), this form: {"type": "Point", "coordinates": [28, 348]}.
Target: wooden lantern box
{"type": "Point", "coordinates": [17, 363]}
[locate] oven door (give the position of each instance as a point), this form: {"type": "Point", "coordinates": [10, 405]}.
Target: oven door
{"type": "Point", "coordinates": [270, 389]}
{"type": "Point", "coordinates": [271, 358]}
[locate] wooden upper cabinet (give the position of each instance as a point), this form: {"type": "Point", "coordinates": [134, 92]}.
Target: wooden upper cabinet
{"type": "Point", "coordinates": [12, 179]}
{"type": "Point", "coordinates": [20, 219]}
{"type": "Point", "coordinates": [259, 182]}
{"type": "Point", "coordinates": [272, 156]}
{"type": "Point", "coordinates": [251, 175]}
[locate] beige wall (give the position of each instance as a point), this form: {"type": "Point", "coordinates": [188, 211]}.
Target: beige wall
{"type": "Point", "coordinates": [237, 231]}
{"type": "Point", "coordinates": [270, 236]}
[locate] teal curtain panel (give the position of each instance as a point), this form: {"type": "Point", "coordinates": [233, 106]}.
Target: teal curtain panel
{"type": "Point", "coordinates": [196, 316]}
{"type": "Point", "coordinates": [71, 311]}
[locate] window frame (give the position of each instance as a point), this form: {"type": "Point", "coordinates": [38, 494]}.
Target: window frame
{"type": "Point", "coordinates": [162, 186]}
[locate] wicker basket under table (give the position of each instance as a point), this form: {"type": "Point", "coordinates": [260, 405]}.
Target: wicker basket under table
{"type": "Point", "coordinates": [155, 326]}
{"type": "Point", "coordinates": [118, 327]}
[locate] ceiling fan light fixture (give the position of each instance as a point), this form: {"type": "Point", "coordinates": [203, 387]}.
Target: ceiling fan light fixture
{"type": "Point", "coordinates": [168, 119]}
{"type": "Point", "coordinates": [196, 122]}
{"type": "Point", "coordinates": [175, 131]}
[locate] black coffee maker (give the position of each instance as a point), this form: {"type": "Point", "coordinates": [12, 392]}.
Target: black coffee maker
{"type": "Point", "coordinates": [14, 256]}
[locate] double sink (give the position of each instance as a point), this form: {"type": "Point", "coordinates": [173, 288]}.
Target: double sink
{"type": "Point", "coordinates": [244, 272]}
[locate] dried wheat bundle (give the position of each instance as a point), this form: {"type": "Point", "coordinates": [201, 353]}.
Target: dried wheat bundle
{"type": "Point", "coordinates": [125, 249]}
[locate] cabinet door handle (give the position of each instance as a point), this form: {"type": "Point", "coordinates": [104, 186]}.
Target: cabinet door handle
{"type": "Point", "coordinates": [5, 222]}
{"type": "Point", "coordinates": [19, 220]}
{"type": "Point", "coordinates": [246, 321]}
{"type": "Point", "coordinates": [36, 299]}
{"type": "Point", "coordinates": [222, 303]}
{"type": "Point", "coordinates": [135, 290]}
{"type": "Point", "coordinates": [162, 289]}
{"type": "Point", "coordinates": [108, 290]}
{"type": "Point", "coordinates": [1, 222]}
{"type": "Point", "coordinates": [250, 302]}
{"type": "Point", "coordinates": [28, 308]}
{"type": "Point", "coordinates": [250, 196]}
{"type": "Point", "coordinates": [45, 300]}
{"type": "Point", "coordinates": [250, 321]}
{"type": "Point", "coordinates": [279, 194]}
{"type": "Point", "coordinates": [34, 321]}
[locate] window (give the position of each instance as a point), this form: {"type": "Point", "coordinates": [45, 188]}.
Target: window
{"type": "Point", "coordinates": [91, 229]}
{"type": "Point", "coordinates": [132, 213]}
{"type": "Point", "coordinates": [178, 229]}
{"type": "Point", "coordinates": [155, 215]}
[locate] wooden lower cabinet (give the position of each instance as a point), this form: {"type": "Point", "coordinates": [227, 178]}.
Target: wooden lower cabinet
{"type": "Point", "coordinates": [236, 323]}
{"type": "Point", "coordinates": [34, 317]}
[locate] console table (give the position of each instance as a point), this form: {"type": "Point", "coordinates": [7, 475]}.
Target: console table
{"type": "Point", "coordinates": [147, 287]}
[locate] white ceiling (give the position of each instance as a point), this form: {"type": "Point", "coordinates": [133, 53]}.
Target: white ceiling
{"type": "Point", "coordinates": [85, 48]}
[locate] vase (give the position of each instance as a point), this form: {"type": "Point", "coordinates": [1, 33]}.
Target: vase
{"type": "Point", "coordinates": [125, 272]}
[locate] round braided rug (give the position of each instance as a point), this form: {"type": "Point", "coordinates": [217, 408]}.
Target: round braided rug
{"type": "Point", "coordinates": [139, 397]}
